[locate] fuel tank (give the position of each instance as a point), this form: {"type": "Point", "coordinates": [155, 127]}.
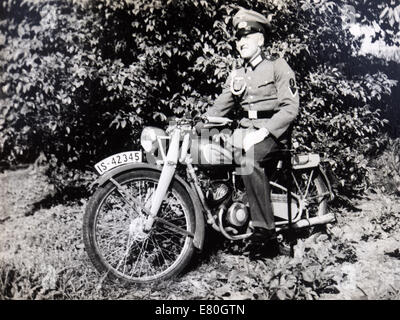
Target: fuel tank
{"type": "Point", "coordinates": [205, 152]}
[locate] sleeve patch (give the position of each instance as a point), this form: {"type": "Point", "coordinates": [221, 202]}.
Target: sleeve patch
{"type": "Point", "coordinates": [292, 86]}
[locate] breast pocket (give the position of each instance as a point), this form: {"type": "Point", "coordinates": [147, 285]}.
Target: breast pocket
{"type": "Point", "coordinates": [267, 88]}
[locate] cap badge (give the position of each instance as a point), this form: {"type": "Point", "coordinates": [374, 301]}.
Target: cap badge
{"type": "Point", "coordinates": [242, 25]}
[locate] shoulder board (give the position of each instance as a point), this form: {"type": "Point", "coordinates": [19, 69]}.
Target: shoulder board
{"type": "Point", "coordinates": [272, 57]}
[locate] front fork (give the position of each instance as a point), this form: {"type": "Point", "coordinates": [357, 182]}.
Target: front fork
{"type": "Point", "coordinates": [167, 173]}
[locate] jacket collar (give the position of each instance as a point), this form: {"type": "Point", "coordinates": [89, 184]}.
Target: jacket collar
{"type": "Point", "coordinates": [255, 61]}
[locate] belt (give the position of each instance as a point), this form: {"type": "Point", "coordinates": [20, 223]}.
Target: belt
{"type": "Point", "coordinates": [258, 114]}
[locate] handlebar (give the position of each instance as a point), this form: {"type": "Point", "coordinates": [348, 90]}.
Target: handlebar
{"type": "Point", "coordinates": [209, 121]}
{"type": "Point", "coordinates": [213, 120]}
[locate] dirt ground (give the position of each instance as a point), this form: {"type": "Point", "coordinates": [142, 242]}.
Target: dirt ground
{"type": "Point", "coordinates": [42, 255]}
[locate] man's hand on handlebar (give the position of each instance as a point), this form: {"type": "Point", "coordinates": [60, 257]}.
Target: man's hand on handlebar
{"type": "Point", "coordinates": [199, 125]}
{"type": "Point", "coordinates": [206, 122]}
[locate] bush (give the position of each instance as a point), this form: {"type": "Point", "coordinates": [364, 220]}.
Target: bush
{"type": "Point", "coordinates": [80, 80]}
{"type": "Point", "coordinates": [385, 175]}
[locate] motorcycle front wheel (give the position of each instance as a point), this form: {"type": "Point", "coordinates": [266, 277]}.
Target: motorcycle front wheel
{"type": "Point", "coordinates": [114, 236]}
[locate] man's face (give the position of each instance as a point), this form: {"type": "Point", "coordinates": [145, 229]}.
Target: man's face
{"type": "Point", "coordinates": [248, 45]}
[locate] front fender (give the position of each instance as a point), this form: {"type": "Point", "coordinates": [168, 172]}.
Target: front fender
{"type": "Point", "coordinates": [198, 239]}
{"type": "Point", "coordinates": [101, 180]}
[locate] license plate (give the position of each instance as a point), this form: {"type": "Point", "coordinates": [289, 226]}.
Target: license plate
{"type": "Point", "coordinates": [117, 160]}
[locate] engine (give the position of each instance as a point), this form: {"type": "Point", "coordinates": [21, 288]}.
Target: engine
{"type": "Point", "coordinates": [237, 215]}
{"type": "Point", "coordinates": [218, 192]}
{"type": "Point", "coordinates": [228, 199]}
{"type": "Point", "coordinates": [232, 207]}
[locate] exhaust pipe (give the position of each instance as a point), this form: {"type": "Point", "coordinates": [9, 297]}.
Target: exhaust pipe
{"type": "Point", "coordinates": [326, 218]}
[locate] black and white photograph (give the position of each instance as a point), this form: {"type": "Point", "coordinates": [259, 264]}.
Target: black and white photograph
{"type": "Point", "coordinates": [218, 151]}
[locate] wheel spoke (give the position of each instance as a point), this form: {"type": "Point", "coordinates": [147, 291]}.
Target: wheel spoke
{"type": "Point", "coordinates": [123, 206]}
{"type": "Point", "coordinates": [173, 227]}
{"type": "Point", "coordinates": [309, 189]}
{"type": "Point", "coordinates": [308, 183]}
{"type": "Point", "coordinates": [297, 185]}
{"type": "Point", "coordinates": [139, 255]}
{"type": "Point", "coordinates": [141, 260]}
{"type": "Point", "coordinates": [155, 244]}
{"type": "Point", "coordinates": [123, 244]}
{"type": "Point", "coordinates": [167, 234]}
{"type": "Point", "coordinates": [113, 252]}
{"type": "Point", "coordinates": [164, 251]}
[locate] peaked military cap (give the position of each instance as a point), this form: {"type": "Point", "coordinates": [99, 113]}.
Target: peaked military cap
{"type": "Point", "coordinates": [249, 21]}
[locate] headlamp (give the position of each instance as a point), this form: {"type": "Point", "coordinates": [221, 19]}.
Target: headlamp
{"type": "Point", "coordinates": [147, 138]}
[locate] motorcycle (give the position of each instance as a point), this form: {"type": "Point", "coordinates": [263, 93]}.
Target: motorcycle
{"type": "Point", "coordinates": [149, 213]}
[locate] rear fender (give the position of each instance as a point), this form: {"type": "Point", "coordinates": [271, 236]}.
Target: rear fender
{"type": "Point", "coordinates": [303, 161]}
{"type": "Point", "coordinates": [198, 239]}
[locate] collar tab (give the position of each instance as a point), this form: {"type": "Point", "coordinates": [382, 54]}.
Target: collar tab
{"type": "Point", "coordinates": [256, 60]}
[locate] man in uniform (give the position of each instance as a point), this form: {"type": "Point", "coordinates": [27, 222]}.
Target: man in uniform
{"type": "Point", "coordinates": [265, 89]}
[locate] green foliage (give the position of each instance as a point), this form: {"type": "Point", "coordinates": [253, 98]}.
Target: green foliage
{"type": "Point", "coordinates": [80, 79]}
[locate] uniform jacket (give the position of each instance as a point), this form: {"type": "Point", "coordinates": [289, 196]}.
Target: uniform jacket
{"type": "Point", "coordinates": [269, 86]}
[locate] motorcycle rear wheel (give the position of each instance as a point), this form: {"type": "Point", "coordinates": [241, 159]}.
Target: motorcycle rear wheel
{"type": "Point", "coordinates": [310, 186]}
{"type": "Point", "coordinates": [113, 230]}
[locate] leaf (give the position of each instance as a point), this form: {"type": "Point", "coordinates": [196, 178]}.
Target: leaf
{"type": "Point", "coordinates": [322, 238]}
{"type": "Point", "coordinates": [308, 276]}
{"type": "Point", "coordinates": [383, 13]}
{"type": "Point", "coordinates": [281, 294]}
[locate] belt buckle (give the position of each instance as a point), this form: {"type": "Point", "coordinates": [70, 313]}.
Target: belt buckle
{"type": "Point", "coordinates": [252, 114]}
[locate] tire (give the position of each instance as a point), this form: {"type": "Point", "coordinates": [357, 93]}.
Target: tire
{"type": "Point", "coordinates": [114, 237]}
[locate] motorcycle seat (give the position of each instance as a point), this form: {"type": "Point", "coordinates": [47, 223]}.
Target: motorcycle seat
{"type": "Point", "coordinates": [281, 154]}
